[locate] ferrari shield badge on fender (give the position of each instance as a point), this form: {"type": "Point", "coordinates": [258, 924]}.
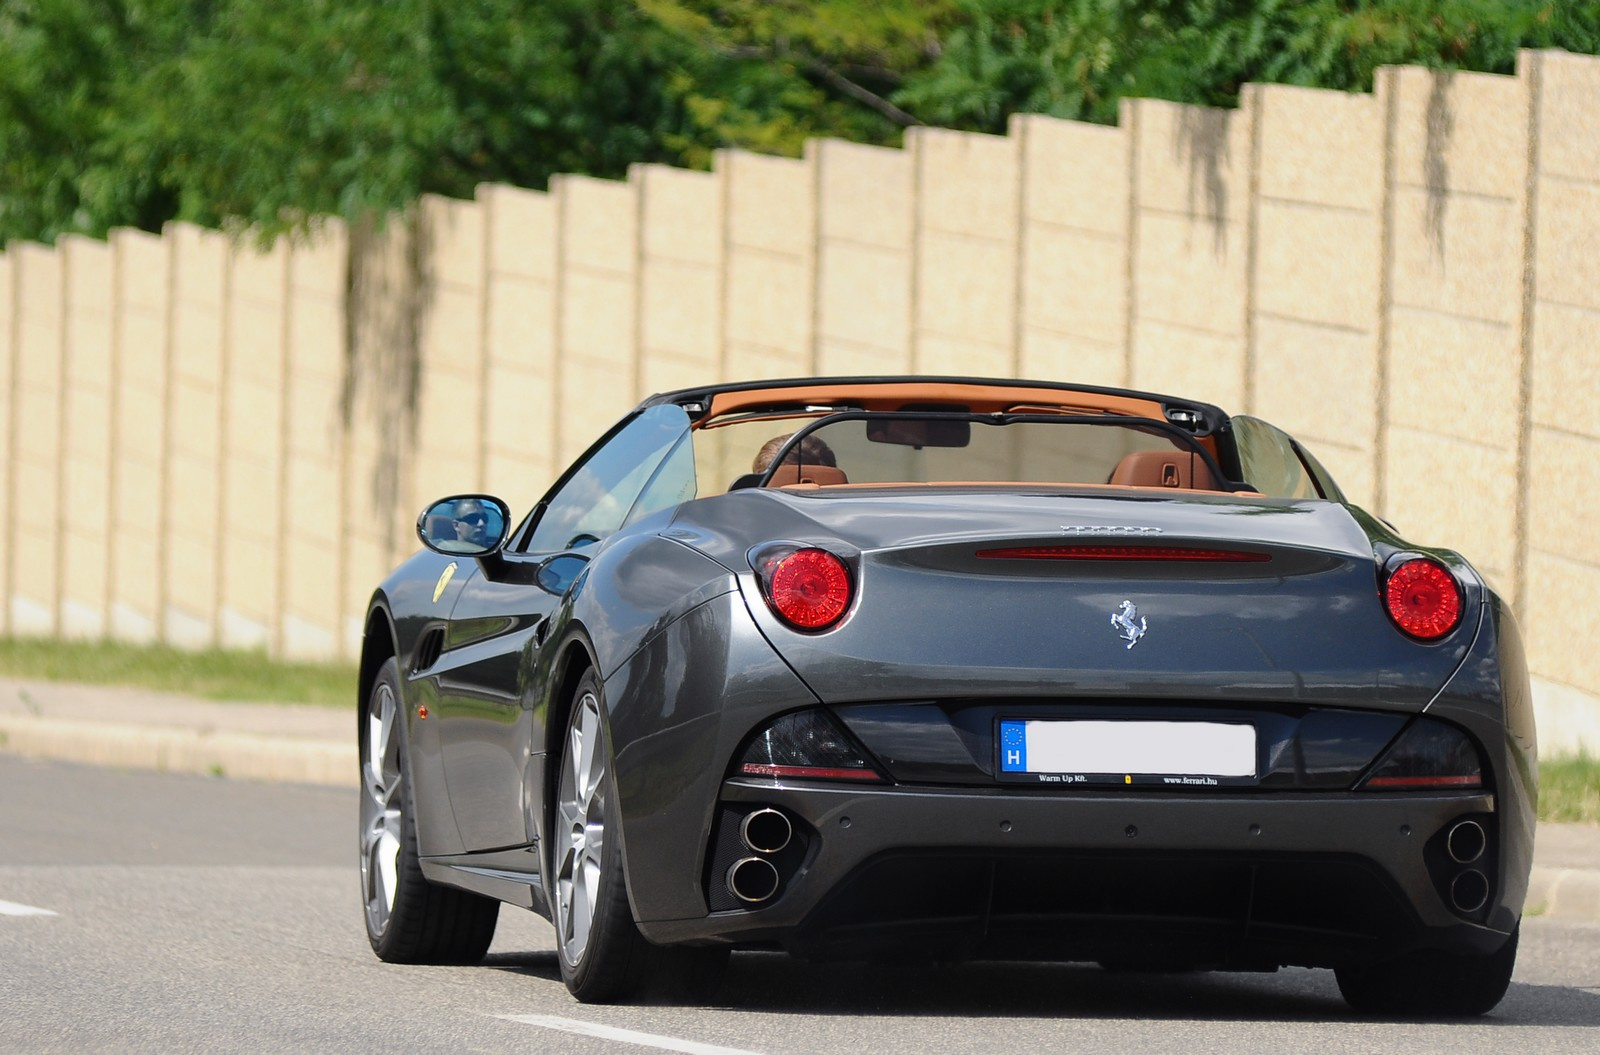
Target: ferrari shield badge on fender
{"type": "Point", "coordinates": [1128, 623]}
{"type": "Point", "coordinates": [444, 580]}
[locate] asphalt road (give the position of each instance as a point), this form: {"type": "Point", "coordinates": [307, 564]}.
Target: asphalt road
{"type": "Point", "coordinates": [197, 914]}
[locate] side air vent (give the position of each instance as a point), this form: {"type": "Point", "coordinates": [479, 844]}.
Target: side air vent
{"type": "Point", "coordinates": [428, 650]}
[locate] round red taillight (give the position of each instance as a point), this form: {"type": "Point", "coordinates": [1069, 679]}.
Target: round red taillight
{"type": "Point", "coordinates": [809, 588]}
{"type": "Point", "coordinates": [1423, 598]}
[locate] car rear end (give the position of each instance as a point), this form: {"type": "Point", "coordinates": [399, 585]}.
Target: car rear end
{"type": "Point", "coordinates": [1194, 729]}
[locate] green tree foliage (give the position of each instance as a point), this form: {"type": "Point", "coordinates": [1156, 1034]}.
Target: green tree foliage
{"type": "Point", "coordinates": [266, 113]}
{"type": "Point", "coordinates": [1078, 58]}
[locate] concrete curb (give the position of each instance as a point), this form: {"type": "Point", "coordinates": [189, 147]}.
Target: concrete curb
{"type": "Point", "coordinates": [174, 750]}
{"type": "Point", "coordinates": [1564, 893]}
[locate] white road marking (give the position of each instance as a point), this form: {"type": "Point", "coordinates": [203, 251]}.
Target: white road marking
{"type": "Point", "coordinates": [627, 1036]}
{"type": "Point", "coordinates": [11, 908]}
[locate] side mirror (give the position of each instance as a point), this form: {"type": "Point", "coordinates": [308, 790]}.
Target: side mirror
{"type": "Point", "coordinates": [557, 574]}
{"type": "Point", "coordinates": [470, 525]}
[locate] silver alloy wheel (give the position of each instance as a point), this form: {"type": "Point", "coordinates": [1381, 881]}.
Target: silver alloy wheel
{"type": "Point", "coordinates": [380, 808]}
{"type": "Point", "coordinates": [580, 828]}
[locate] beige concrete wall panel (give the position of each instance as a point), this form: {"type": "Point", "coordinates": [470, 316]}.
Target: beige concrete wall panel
{"type": "Point", "coordinates": [1317, 382]}
{"type": "Point", "coordinates": [1194, 161]}
{"type": "Point", "coordinates": [143, 271]}
{"type": "Point", "coordinates": [938, 354]}
{"type": "Point", "coordinates": [1446, 492]}
{"type": "Point", "coordinates": [1570, 94]}
{"type": "Point", "coordinates": [866, 300]}
{"type": "Point", "coordinates": [1191, 273]}
{"type": "Point", "coordinates": [320, 262]}
{"type": "Point", "coordinates": [1183, 361]}
{"type": "Point", "coordinates": [1053, 356]}
{"type": "Point", "coordinates": [599, 223]}
{"type": "Point", "coordinates": [256, 312]}
{"type": "Point", "coordinates": [838, 357]}
{"type": "Point", "coordinates": [681, 305]}
{"type": "Point", "coordinates": [200, 270]}
{"type": "Point", "coordinates": [770, 201]}
{"type": "Point", "coordinates": [142, 290]}
{"type": "Point", "coordinates": [597, 322]}
{"type": "Point", "coordinates": [452, 330]}
{"type": "Point", "coordinates": [1075, 283]}
{"type": "Point", "coordinates": [1461, 132]}
{"type": "Point", "coordinates": [768, 307]}
{"type": "Point", "coordinates": [36, 469]}
{"type": "Point", "coordinates": [454, 241]}
{"type": "Point", "coordinates": [1568, 265]}
{"type": "Point", "coordinates": [1454, 377]}
{"type": "Point", "coordinates": [1321, 146]}
{"type": "Point", "coordinates": [449, 431]}
{"type": "Point", "coordinates": [966, 291]}
{"type": "Point", "coordinates": [87, 436]}
{"type": "Point", "coordinates": [521, 324]}
{"type": "Point", "coordinates": [1566, 364]}
{"type": "Point", "coordinates": [1075, 174]}
{"type": "Point", "coordinates": [1564, 495]}
{"type": "Point", "coordinates": [36, 368]}
{"type": "Point", "coordinates": [598, 312]}
{"type": "Point", "coordinates": [309, 622]}
{"type": "Point", "coordinates": [866, 193]}
{"type": "Point", "coordinates": [665, 372]}
{"type": "Point", "coordinates": [967, 182]}
{"type": "Point", "coordinates": [749, 362]}
{"type": "Point", "coordinates": [1567, 587]}
{"type": "Point", "coordinates": [520, 465]}
{"type": "Point", "coordinates": [88, 276]}
{"type": "Point", "coordinates": [1467, 260]}
{"type": "Point", "coordinates": [521, 232]}
{"type": "Point", "coordinates": [682, 213]}
{"type": "Point", "coordinates": [1318, 264]}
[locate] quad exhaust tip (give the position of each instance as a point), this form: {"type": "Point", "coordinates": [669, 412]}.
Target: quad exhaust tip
{"type": "Point", "coordinates": [1469, 891]}
{"type": "Point", "coordinates": [766, 831]}
{"type": "Point", "coordinates": [1466, 842]}
{"type": "Point", "coordinates": [752, 880]}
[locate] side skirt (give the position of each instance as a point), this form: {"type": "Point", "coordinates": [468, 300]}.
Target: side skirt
{"type": "Point", "coordinates": [511, 876]}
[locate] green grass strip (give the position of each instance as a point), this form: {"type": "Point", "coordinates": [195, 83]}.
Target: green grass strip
{"type": "Point", "coordinates": [215, 674]}
{"type": "Point", "coordinates": [1569, 789]}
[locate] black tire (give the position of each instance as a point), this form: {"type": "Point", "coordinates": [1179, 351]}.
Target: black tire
{"type": "Point", "coordinates": [603, 957]}
{"type": "Point", "coordinates": [1431, 983]}
{"type": "Point", "coordinates": [409, 920]}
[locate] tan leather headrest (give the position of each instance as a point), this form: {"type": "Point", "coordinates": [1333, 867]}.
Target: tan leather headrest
{"type": "Point", "coordinates": [821, 475]}
{"type": "Point", "coordinates": [1178, 469]}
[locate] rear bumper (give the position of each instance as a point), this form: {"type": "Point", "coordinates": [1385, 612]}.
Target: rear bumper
{"type": "Point", "coordinates": [1222, 880]}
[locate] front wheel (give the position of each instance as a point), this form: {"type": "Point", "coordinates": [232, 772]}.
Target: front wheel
{"type": "Point", "coordinates": [1431, 983]}
{"type": "Point", "coordinates": [604, 958]}
{"type": "Point", "coordinates": [409, 920]}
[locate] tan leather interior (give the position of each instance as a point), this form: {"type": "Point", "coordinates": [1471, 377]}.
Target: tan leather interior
{"type": "Point", "coordinates": [789, 474]}
{"type": "Point", "coordinates": [982, 398]}
{"type": "Point", "coordinates": [1176, 469]}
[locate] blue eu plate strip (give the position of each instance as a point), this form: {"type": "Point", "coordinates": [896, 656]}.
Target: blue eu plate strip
{"type": "Point", "coordinates": [1013, 747]}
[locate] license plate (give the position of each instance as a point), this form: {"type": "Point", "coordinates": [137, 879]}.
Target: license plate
{"type": "Point", "coordinates": [1170, 753]}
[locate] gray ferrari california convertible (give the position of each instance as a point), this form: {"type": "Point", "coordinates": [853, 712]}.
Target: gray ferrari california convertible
{"type": "Point", "coordinates": [947, 668]}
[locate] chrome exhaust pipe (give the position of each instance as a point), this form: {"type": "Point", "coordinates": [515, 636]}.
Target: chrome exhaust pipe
{"type": "Point", "coordinates": [1469, 891]}
{"type": "Point", "coordinates": [766, 831]}
{"type": "Point", "coordinates": [1466, 842]}
{"type": "Point", "coordinates": [752, 880]}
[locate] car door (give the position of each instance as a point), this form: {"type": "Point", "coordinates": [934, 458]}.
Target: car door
{"type": "Point", "coordinates": [490, 732]}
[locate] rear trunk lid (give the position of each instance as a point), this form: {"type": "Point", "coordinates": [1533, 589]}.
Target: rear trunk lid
{"type": "Point", "coordinates": [937, 614]}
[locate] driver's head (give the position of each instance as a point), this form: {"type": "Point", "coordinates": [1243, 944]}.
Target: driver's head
{"type": "Point", "coordinates": [470, 520]}
{"type": "Point", "coordinates": [811, 451]}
